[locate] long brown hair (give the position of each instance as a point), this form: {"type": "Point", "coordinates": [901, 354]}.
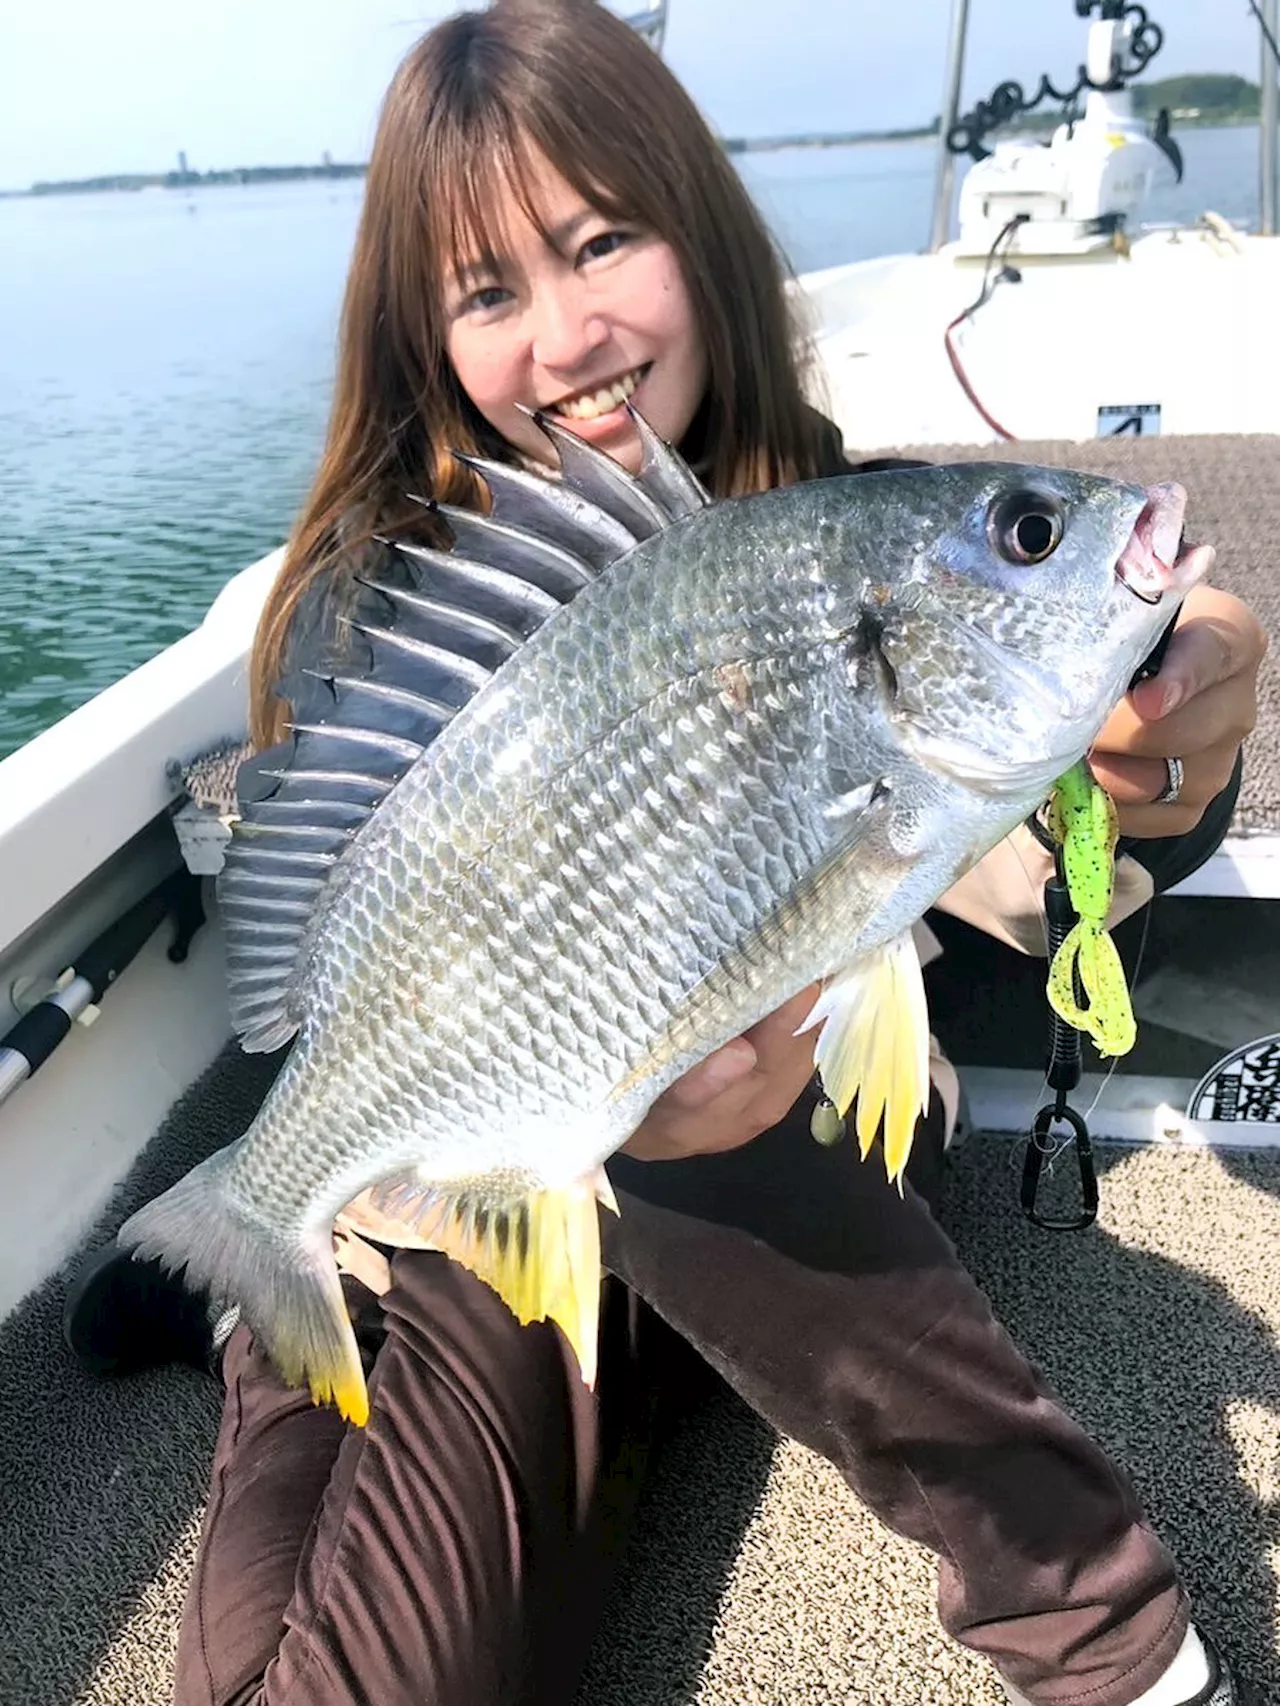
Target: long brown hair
{"type": "Point", "coordinates": [573, 82]}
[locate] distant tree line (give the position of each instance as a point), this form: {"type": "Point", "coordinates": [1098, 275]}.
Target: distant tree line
{"type": "Point", "coordinates": [193, 180]}
{"type": "Point", "coordinates": [1215, 97]}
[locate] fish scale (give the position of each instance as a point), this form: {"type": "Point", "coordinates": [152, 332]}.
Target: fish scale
{"type": "Point", "coordinates": [744, 758]}
{"type": "Point", "coordinates": [617, 966]}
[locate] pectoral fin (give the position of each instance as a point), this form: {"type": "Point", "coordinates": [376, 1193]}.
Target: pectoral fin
{"type": "Point", "coordinates": [874, 1044]}
{"type": "Point", "coordinates": [540, 1253]}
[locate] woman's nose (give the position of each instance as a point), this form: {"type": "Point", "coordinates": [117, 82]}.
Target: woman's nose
{"type": "Point", "coordinates": [567, 329]}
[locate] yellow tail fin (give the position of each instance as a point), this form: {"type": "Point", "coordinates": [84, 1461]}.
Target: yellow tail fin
{"type": "Point", "coordinates": [289, 1292]}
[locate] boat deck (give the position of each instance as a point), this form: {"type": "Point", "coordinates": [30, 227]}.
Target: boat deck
{"type": "Point", "coordinates": [756, 1576]}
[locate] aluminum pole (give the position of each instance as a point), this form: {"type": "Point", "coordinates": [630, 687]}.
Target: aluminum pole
{"type": "Point", "coordinates": [944, 177]}
{"type": "Point", "coordinates": [1269, 117]}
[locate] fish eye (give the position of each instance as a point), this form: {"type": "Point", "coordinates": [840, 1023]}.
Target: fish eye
{"type": "Point", "coordinates": [1025, 528]}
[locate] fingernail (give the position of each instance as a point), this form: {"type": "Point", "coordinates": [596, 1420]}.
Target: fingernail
{"type": "Point", "coordinates": [1171, 698]}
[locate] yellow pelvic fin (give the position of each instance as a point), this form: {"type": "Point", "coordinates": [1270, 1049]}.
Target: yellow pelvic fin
{"type": "Point", "coordinates": [874, 1044]}
{"type": "Point", "coordinates": [1108, 1018]}
{"type": "Point", "coordinates": [540, 1253]}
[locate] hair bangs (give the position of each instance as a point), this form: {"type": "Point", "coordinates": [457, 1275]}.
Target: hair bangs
{"type": "Point", "coordinates": [469, 178]}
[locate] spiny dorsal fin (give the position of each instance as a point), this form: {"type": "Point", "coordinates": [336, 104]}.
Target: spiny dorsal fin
{"type": "Point", "coordinates": [556, 511]}
{"type": "Point", "coordinates": [542, 563]}
{"type": "Point", "coordinates": [665, 474]}
{"type": "Point", "coordinates": [426, 633]}
{"type": "Point", "coordinates": [602, 480]}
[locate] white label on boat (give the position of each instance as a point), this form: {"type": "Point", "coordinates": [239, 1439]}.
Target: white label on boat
{"type": "Point", "coordinates": [203, 837]}
{"type": "Point", "coordinates": [1243, 1089]}
{"type": "Point", "coordinates": [1128, 420]}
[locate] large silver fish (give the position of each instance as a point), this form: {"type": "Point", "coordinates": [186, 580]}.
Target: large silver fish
{"type": "Point", "coordinates": [503, 911]}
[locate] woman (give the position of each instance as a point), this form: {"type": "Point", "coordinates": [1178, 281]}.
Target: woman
{"type": "Point", "coordinates": [548, 223]}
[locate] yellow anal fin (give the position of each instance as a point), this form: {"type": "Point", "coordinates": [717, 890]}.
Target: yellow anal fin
{"type": "Point", "coordinates": [1089, 952]}
{"type": "Point", "coordinates": [874, 1044]}
{"type": "Point", "coordinates": [540, 1252]}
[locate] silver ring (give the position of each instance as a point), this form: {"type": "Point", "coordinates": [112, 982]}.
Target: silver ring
{"type": "Point", "coordinates": [1173, 786]}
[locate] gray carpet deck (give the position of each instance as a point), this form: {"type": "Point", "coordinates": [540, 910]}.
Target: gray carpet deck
{"type": "Point", "coordinates": [1233, 491]}
{"type": "Point", "coordinates": [755, 1577]}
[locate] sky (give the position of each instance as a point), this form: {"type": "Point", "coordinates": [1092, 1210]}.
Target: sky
{"type": "Point", "coordinates": [88, 89]}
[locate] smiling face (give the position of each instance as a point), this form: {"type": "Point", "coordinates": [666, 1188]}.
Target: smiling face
{"type": "Point", "coordinates": [575, 313]}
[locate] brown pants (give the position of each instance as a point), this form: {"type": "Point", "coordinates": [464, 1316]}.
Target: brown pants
{"type": "Point", "coordinates": [452, 1553]}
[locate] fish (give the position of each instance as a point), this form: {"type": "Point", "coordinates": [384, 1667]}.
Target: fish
{"type": "Point", "coordinates": [528, 862]}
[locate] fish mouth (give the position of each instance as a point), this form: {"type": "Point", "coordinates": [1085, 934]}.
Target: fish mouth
{"type": "Point", "coordinates": [1148, 567]}
{"type": "Point", "coordinates": [601, 398]}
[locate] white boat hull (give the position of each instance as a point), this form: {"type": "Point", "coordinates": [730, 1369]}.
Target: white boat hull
{"type": "Point", "coordinates": [1187, 323]}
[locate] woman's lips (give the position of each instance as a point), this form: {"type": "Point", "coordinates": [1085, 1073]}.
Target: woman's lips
{"type": "Point", "coordinates": [614, 420]}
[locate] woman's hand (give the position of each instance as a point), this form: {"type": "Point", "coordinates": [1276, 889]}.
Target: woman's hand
{"type": "Point", "coordinates": [1199, 708]}
{"type": "Point", "coordinates": [734, 1094]}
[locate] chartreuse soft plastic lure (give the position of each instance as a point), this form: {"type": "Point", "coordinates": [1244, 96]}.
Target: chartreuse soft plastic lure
{"type": "Point", "coordinates": [1082, 818]}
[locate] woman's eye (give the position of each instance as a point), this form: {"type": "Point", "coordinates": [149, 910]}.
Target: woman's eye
{"type": "Point", "coordinates": [488, 297]}
{"type": "Point", "coordinates": [597, 247]}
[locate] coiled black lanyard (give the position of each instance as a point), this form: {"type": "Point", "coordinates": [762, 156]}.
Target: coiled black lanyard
{"type": "Point", "coordinates": [1058, 1126]}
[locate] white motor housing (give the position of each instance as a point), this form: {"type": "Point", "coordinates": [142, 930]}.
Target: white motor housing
{"type": "Point", "coordinates": [1091, 179]}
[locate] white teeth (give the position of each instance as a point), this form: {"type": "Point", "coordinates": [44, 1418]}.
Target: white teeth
{"type": "Point", "coordinates": [595, 403]}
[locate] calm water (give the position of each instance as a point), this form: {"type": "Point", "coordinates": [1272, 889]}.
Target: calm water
{"type": "Point", "coordinates": [165, 360]}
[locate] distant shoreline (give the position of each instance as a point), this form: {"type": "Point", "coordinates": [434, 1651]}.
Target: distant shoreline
{"type": "Point", "coordinates": [133, 182]}
{"type": "Point", "coordinates": [124, 183]}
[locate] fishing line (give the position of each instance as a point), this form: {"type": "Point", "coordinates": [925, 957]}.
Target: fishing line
{"type": "Point", "coordinates": [1025, 1136]}
{"type": "Point", "coordinates": [1033, 891]}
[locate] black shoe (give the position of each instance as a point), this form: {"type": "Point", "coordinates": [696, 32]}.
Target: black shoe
{"type": "Point", "coordinates": [122, 1316]}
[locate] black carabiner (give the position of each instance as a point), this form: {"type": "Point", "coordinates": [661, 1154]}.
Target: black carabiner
{"type": "Point", "coordinates": [1078, 1138]}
